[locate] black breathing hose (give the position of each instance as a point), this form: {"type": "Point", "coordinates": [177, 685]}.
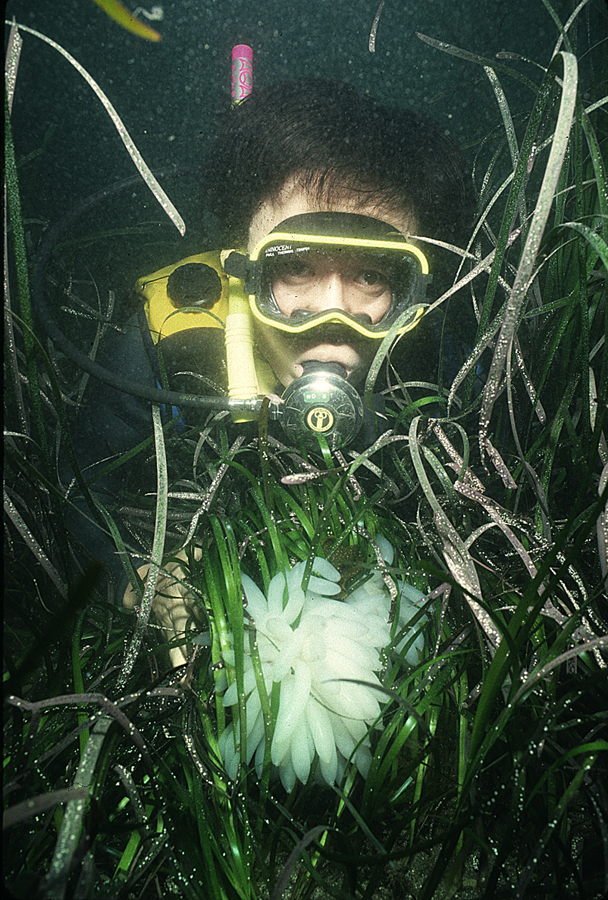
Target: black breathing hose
{"type": "Point", "coordinates": [46, 319]}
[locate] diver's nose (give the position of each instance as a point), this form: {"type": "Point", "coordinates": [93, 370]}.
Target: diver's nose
{"type": "Point", "coordinates": [332, 293]}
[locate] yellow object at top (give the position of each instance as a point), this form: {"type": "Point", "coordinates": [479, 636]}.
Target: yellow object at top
{"type": "Point", "coordinates": [164, 317]}
{"type": "Point", "coordinates": [115, 10]}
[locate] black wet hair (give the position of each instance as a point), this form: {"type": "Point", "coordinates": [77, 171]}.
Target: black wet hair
{"type": "Point", "coordinates": [334, 141]}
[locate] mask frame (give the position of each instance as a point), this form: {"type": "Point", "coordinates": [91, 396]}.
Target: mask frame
{"type": "Point", "coordinates": [333, 232]}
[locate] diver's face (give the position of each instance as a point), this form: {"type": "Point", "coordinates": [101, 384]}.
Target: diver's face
{"type": "Point", "coordinates": [320, 282]}
{"type": "Point", "coordinates": [317, 281]}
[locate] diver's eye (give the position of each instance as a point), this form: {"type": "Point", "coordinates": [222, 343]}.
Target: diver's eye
{"type": "Point", "coordinates": [291, 269]}
{"type": "Point", "coordinates": [372, 278]}
{"type": "Point", "coordinates": [372, 282]}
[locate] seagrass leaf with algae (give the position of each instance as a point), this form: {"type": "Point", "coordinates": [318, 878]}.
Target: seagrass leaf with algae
{"type": "Point", "coordinates": [505, 340]}
{"type": "Point", "coordinates": [455, 551]}
{"type": "Point", "coordinates": [142, 167]}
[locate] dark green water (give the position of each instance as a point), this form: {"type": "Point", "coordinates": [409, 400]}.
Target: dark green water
{"type": "Point", "coordinates": [169, 94]}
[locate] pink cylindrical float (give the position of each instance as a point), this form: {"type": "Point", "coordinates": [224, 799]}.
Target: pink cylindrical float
{"type": "Point", "coordinates": [242, 72]}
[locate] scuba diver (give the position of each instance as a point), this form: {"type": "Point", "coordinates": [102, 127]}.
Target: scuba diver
{"type": "Point", "coordinates": [321, 196]}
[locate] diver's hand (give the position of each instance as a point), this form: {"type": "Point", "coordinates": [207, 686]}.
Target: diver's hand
{"type": "Point", "coordinates": [173, 603]}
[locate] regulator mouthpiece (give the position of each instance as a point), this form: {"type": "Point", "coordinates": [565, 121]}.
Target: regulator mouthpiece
{"type": "Point", "coordinates": [322, 402]}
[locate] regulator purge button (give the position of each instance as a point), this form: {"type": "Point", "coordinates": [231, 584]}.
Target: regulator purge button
{"type": "Point", "coordinates": [322, 402]}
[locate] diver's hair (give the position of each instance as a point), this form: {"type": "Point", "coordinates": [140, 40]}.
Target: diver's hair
{"type": "Point", "coordinates": [336, 141]}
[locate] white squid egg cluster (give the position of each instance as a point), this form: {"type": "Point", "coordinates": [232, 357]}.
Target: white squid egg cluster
{"type": "Point", "coordinates": [324, 654]}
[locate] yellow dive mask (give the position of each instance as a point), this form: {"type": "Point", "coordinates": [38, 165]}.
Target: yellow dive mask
{"type": "Point", "coordinates": [385, 276]}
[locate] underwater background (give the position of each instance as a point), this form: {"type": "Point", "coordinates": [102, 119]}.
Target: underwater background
{"type": "Point", "coordinates": [489, 774]}
{"type": "Point", "coordinates": [169, 94]}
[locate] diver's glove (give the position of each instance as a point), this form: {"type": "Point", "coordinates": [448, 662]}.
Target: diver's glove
{"type": "Point", "coordinates": [173, 603]}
